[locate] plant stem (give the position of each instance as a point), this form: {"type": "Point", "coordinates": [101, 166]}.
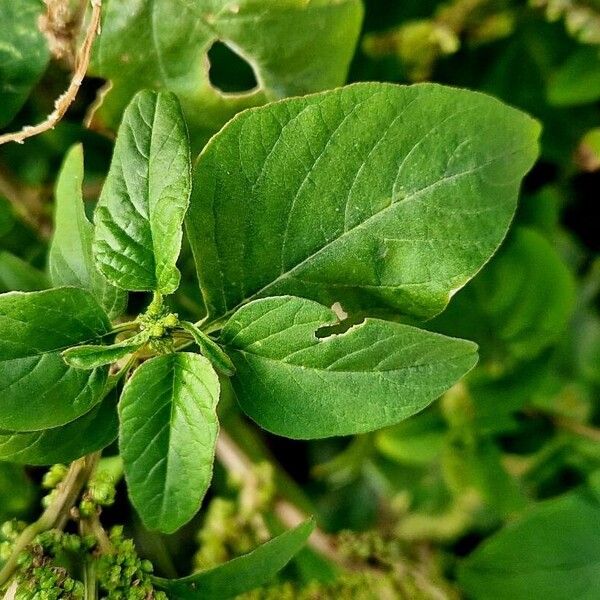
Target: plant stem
{"type": "Point", "coordinates": [63, 102]}
{"type": "Point", "coordinates": [235, 461]}
{"type": "Point", "coordinates": [56, 515]}
{"type": "Point", "coordinates": [89, 567]}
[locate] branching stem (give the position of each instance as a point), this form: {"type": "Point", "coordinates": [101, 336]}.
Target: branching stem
{"type": "Point", "coordinates": [63, 102]}
{"type": "Point", "coordinates": [57, 514]}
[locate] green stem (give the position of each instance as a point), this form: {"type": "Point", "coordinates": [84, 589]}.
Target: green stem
{"type": "Point", "coordinates": [89, 568]}
{"type": "Point", "coordinates": [56, 514]}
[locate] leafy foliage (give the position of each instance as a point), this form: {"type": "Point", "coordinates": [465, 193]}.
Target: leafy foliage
{"type": "Point", "coordinates": [251, 237]}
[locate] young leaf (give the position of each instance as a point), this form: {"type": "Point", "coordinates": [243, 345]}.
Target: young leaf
{"type": "Point", "coordinates": [140, 212]}
{"type": "Point", "coordinates": [241, 574]}
{"type": "Point", "coordinates": [375, 374]}
{"type": "Point", "coordinates": [93, 431]}
{"type": "Point", "coordinates": [23, 54]}
{"type": "Point", "coordinates": [167, 437]}
{"type": "Point", "coordinates": [215, 354]}
{"type": "Point", "coordinates": [293, 47]}
{"type": "Point", "coordinates": [553, 552]}
{"type": "Point", "coordinates": [92, 356]}
{"type": "Point", "coordinates": [70, 259]}
{"type": "Point", "coordinates": [370, 195]}
{"type": "Point", "coordinates": [37, 388]}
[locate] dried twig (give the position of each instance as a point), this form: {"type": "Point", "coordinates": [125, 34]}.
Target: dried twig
{"type": "Point", "coordinates": [63, 102]}
{"type": "Point", "coordinates": [236, 462]}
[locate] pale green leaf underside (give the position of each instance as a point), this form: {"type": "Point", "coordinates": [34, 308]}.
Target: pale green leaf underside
{"type": "Point", "coordinates": [167, 437]}
{"type": "Point", "coordinates": [243, 573]}
{"type": "Point", "coordinates": [90, 356]}
{"type": "Point", "coordinates": [89, 433]}
{"type": "Point", "coordinates": [371, 195]}
{"type": "Point", "coordinates": [140, 212]}
{"type": "Point", "coordinates": [70, 260]}
{"type": "Point", "coordinates": [163, 45]}
{"type": "Point", "coordinates": [210, 349]}
{"type": "Point", "coordinates": [375, 374]}
{"type": "Point", "coordinates": [37, 389]}
{"type": "Point", "coordinates": [23, 54]}
{"type": "Point", "coordinates": [553, 552]}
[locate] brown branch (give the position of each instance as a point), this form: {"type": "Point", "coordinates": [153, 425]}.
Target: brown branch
{"type": "Point", "coordinates": [573, 426]}
{"type": "Point", "coordinates": [63, 102]}
{"type": "Point", "coordinates": [237, 463]}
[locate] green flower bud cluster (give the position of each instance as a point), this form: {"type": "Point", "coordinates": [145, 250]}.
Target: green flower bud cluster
{"type": "Point", "coordinates": [234, 526]}
{"type": "Point", "coordinates": [348, 586]}
{"type": "Point", "coordinates": [159, 324]}
{"type": "Point", "coordinates": [39, 577]}
{"type": "Point", "coordinates": [52, 478]}
{"type": "Point", "coordinates": [9, 532]}
{"type": "Point", "coordinates": [123, 575]}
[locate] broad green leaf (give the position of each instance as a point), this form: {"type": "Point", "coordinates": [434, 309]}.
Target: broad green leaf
{"type": "Point", "coordinates": [167, 437]}
{"type": "Point", "coordinates": [209, 348]}
{"type": "Point", "coordinates": [23, 54]}
{"type": "Point", "coordinates": [140, 212]}
{"type": "Point", "coordinates": [93, 431]}
{"type": "Point", "coordinates": [506, 308]}
{"type": "Point", "coordinates": [70, 259]}
{"type": "Point", "coordinates": [91, 356]}
{"type": "Point", "coordinates": [241, 574]}
{"type": "Point", "coordinates": [552, 552]}
{"type": "Point", "coordinates": [37, 388]}
{"type": "Point", "coordinates": [18, 275]}
{"type": "Point", "coordinates": [18, 493]}
{"type": "Point", "coordinates": [577, 81]}
{"type": "Point", "coordinates": [377, 373]}
{"type": "Point", "coordinates": [294, 47]}
{"type": "Point", "coordinates": [370, 195]}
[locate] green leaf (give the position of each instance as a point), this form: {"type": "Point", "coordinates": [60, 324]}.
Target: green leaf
{"type": "Point", "coordinates": [294, 47]}
{"type": "Point", "coordinates": [70, 259]}
{"type": "Point", "coordinates": [37, 389]}
{"type": "Point", "coordinates": [92, 356]}
{"type": "Point", "coordinates": [577, 81]}
{"type": "Point", "coordinates": [167, 437]}
{"type": "Point", "coordinates": [140, 212]}
{"type": "Point", "coordinates": [18, 493]}
{"type": "Point", "coordinates": [370, 195]}
{"type": "Point", "coordinates": [505, 307]}
{"type": "Point", "coordinates": [209, 348]}
{"type": "Point", "coordinates": [377, 373]}
{"type": "Point", "coordinates": [23, 54]}
{"type": "Point", "coordinates": [93, 431]}
{"type": "Point", "coordinates": [552, 552]}
{"type": "Point", "coordinates": [241, 574]}
{"type": "Point", "coordinates": [18, 275]}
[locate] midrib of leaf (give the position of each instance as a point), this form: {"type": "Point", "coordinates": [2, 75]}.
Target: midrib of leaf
{"type": "Point", "coordinates": [216, 324]}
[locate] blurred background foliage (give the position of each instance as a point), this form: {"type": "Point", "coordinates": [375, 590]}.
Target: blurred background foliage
{"type": "Point", "coordinates": [490, 492]}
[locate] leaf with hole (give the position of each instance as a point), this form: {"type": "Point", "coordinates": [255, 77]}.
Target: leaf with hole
{"type": "Point", "coordinates": [373, 195]}
{"type": "Point", "coordinates": [164, 45]}
{"type": "Point", "coordinates": [296, 384]}
{"type": "Point", "coordinates": [70, 259]}
{"type": "Point", "coordinates": [38, 389]}
{"type": "Point", "coordinates": [140, 212]}
{"type": "Point", "coordinates": [167, 437]}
